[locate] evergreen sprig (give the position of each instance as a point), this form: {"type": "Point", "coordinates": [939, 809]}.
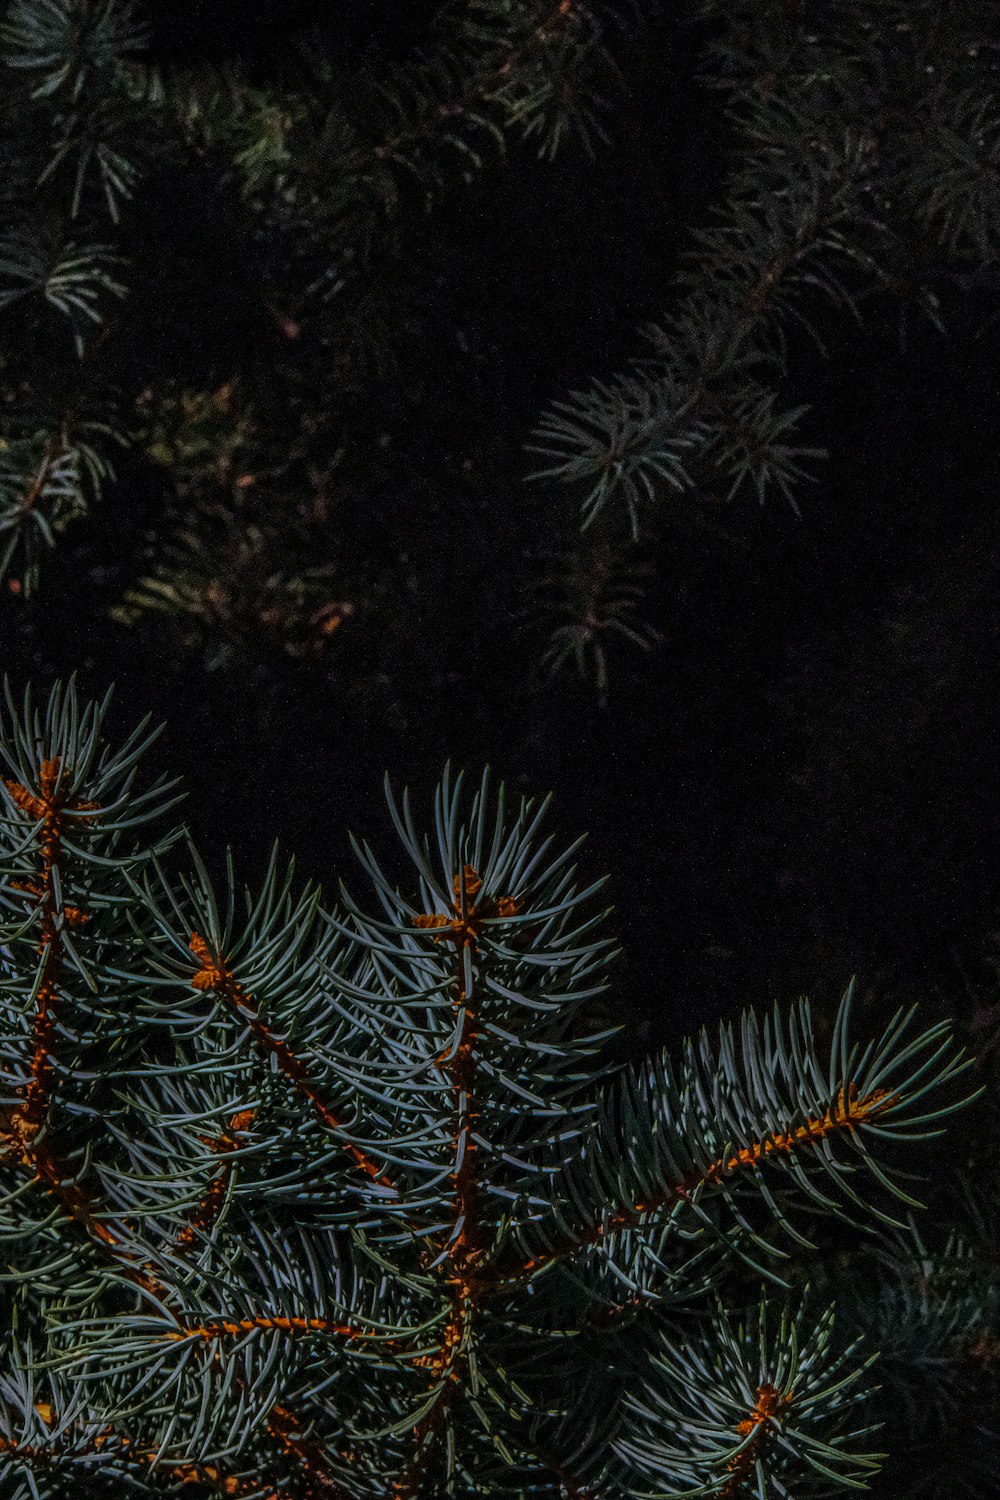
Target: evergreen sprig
{"type": "Point", "coordinates": [768, 1408]}
{"type": "Point", "coordinates": [586, 602]}
{"type": "Point", "coordinates": [329, 1202]}
{"type": "Point", "coordinates": [863, 150]}
{"type": "Point", "coordinates": [861, 167]}
{"type": "Point", "coordinates": [71, 145]}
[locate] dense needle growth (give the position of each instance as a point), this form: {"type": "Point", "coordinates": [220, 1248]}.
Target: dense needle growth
{"type": "Point", "coordinates": [316, 1201]}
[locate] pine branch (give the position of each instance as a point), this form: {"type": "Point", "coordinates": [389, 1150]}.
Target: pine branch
{"type": "Point", "coordinates": [588, 600]}
{"type": "Point", "coordinates": [846, 151]}
{"type": "Point", "coordinates": [345, 1204]}
{"type": "Point", "coordinates": [731, 1416]}
{"type": "Point", "coordinates": [714, 1137]}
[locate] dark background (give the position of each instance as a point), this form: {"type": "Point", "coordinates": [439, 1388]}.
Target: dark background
{"type": "Point", "coordinates": [801, 782]}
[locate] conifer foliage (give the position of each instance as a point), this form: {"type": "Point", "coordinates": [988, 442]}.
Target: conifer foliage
{"type": "Point", "coordinates": [325, 169]}
{"type": "Point", "coordinates": [315, 1201]}
{"type": "Point", "coordinates": [861, 167]}
{"type": "Point", "coordinates": [857, 149]}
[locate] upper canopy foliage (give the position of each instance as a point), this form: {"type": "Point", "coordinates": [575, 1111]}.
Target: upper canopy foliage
{"type": "Point", "coordinates": [858, 162]}
{"type": "Point", "coordinates": [330, 164]}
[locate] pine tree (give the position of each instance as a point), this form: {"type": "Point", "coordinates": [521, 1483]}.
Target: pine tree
{"type": "Point", "coordinates": [322, 1201]}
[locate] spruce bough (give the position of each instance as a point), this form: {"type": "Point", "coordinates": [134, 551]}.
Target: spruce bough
{"type": "Point", "coordinates": [354, 1202]}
